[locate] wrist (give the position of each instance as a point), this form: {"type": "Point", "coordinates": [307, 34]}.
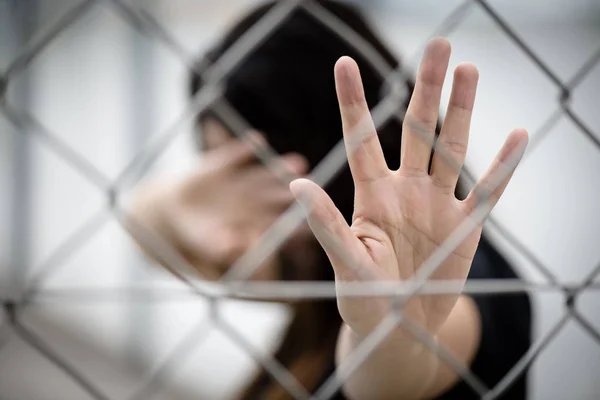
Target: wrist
{"type": "Point", "coordinates": [399, 364]}
{"type": "Point", "coordinates": [399, 342]}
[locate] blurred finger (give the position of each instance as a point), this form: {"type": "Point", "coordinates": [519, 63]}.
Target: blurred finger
{"type": "Point", "coordinates": [281, 197]}
{"type": "Point", "coordinates": [233, 153]}
{"type": "Point", "coordinates": [365, 156]}
{"type": "Point", "coordinates": [422, 114]}
{"type": "Point", "coordinates": [257, 177]}
{"type": "Point", "coordinates": [264, 192]}
{"type": "Point", "coordinates": [212, 245]}
{"type": "Point", "coordinates": [451, 147]}
{"type": "Point", "coordinates": [493, 183]}
{"type": "Point", "coordinates": [214, 134]}
{"type": "Point", "coordinates": [295, 163]}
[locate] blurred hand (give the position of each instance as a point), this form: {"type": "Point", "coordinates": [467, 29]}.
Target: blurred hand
{"type": "Point", "coordinates": [401, 217]}
{"type": "Point", "coordinates": [213, 215]}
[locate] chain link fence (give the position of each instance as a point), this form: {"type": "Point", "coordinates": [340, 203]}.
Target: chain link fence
{"type": "Point", "coordinates": [235, 283]}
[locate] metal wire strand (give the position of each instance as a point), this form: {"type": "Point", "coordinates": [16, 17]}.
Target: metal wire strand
{"type": "Point", "coordinates": [59, 361]}
{"type": "Point", "coordinates": [212, 89]}
{"type": "Point", "coordinates": [270, 364]}
{"type": "Point", "coordinates": [79, 238]}
{"type": "Point", "coordinates": [26, 124]}
{"type": "Point", "coordinates": [345, 369]}
{"type": "Point", "coordinates": [35, 46]}
{"type": "Point", "coordinates": [445, 356]}
{"type": "Point", "coordinates": [166, 368]}
{"type": "Point", "coordinates": [308, 290]}
{"type": "Point", "coordinates": [526, 360]}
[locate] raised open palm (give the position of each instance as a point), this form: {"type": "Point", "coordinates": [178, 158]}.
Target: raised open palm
{"type": "Point", "coordinates": [401, 217]}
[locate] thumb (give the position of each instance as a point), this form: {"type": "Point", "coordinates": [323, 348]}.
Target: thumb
{"type": "Point", "coordinates": [328, 225]}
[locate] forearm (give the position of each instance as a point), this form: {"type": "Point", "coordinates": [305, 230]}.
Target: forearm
{"type": "Point", "coordinates": [403, 368]}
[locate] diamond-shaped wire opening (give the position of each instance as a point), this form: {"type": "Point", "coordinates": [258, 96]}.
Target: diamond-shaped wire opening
{"type": "Point", "coordinates": [202, 340]}
{"type": "Point", "coordinates": [99, 312]}
{"type": "Point", "coordinates": [558, 54]}
{"type": "Point", "coordinates": [90, 337]}
{"type": "Point", "coordinates": [162, 372]}
{"type": "Point", "coordinates": [577, 214]}
{"type": "Point", "coordinates": [41, 39]}
{"type": "Point", "coordinates": [82, 386]}
{"type": "Point", "coordinates": [214, 74]}
{"type": "Point", "coordinates": [540, 134]}
{"type": "Point", "coordinates": [497, 113]}
{"type": "Point", "coordinates": [519, 42]}
{"type": "Point", "coordinates": [570, 348]}
{"type": "Point", "coordinates": [65, 250]}
{"type": "Point", "coordinates": [583, 98]}
{"type": "Point", "coordinates": [75, 207]}
{"type": "Point", "coordinates": [278, 372]}
{"type": "Point", "coordinates": [520, 367]}
{"type": "Point", "coordinates": [103, 113]}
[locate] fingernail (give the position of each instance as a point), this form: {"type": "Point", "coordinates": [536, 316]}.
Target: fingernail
{"type": "Point", "coordinates": [301, 196]}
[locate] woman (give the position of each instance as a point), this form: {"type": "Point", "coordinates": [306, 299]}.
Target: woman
{"type": "Point", "coordinates": [388, 218]}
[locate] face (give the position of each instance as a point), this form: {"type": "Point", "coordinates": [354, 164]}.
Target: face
{"type": "Point", "coordinates": [300, 250]}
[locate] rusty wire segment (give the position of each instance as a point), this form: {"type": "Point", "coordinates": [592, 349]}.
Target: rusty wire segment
{"type": "Point", "coordinates": [235, 284]}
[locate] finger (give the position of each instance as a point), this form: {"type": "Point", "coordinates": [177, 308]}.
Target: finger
{"type": "Point", "coordinates": [214, 134]}
{"type": "Point", "coordinates": [233, 154]}
{"type": "Point", "coordinates": [264, 192]}
{"type": "Point", "coordinates": [422, 114]}
{"type": "Point", "coordinates": [288, 167]}
{"type": "Point", "coordinates": [276, 200]}
{"type": "Point", "coordinates": [259, 176]}
{"type": "Point", "coordinates": [295, 163]}
{"type": "Point", "coordinates": [451, 147]}
{"type": "Point", "coordinates": [365, 157]}
{"type": "Point", "coordinates": [328, 225]}
{"type": "Point", "coordinates": [491, 186]}
{"type": "Point", "coordinates": [269, 196]}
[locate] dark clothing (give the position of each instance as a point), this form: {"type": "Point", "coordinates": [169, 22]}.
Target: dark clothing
{"type": "Point", "coordinates": [506, 326]}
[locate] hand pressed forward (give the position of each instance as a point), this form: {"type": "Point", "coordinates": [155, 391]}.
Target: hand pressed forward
{"type": "Point", "coordinates": [401, 217]}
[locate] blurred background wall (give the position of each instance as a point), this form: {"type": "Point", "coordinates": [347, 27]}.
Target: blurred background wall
{"type": "Point", "coordinates": [107, 90]}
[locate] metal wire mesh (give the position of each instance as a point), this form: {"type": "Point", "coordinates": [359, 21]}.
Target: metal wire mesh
{"type": "Point", "coordinates": [234, 283]}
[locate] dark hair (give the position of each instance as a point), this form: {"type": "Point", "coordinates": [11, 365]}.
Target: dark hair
{"type": "Point", "coordinates": [285, 88]}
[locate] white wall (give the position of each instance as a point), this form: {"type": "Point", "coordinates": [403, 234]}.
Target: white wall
{"type": "Point", "coordinates": [84, 94]}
